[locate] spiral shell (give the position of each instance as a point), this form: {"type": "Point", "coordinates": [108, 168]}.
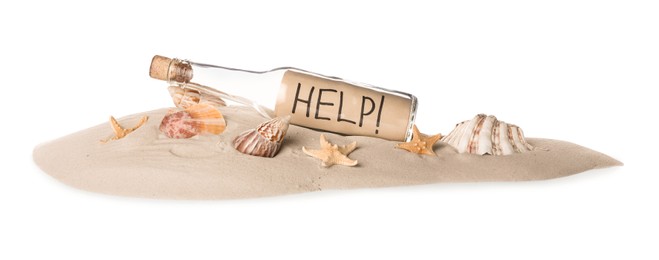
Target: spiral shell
{"type": "Point", "coordinates": [487, 135]}
{"type": "Point", "coordinates": [185, 97]}
{"type": "Point", "coordinates": [265, 140]}
{"type": "Point", "coordinates": [196, 119]}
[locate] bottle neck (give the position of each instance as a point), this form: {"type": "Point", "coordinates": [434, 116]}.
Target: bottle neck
{"type": "Point", "coordinates": [179, 71]}
{"type": "Point", "coordinates": [170, 70]}
{"type": "Point", "coordinates": [260, 87]}
{"type": "Point", "coordinates": [174, 70]}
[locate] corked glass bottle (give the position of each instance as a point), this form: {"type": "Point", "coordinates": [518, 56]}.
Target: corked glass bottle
{"type": "Point", "coordinates": [312, 100]}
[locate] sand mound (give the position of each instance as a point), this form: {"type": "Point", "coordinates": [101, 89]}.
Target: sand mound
{"type": "Point", "coordinates": [147, 164]}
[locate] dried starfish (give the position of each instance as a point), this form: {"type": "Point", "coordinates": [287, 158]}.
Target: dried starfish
{"type": "Point", "coordinates": [331, 154]}
{"type": "Point", "coordinates": [120, 132]}
{"type": "Point", "coordinates": [420, 143]}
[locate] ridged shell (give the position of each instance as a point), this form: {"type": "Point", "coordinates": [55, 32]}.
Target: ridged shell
{"type": "Point", "coordinates": [197, 119]}
{"type": "Point", "coordinates": [178, 125]}
{"type": "Point", "coordinates": [487, 135]}
{"type": "Point", "coordinates": [265, 140]}
{"type": "Point", "coordinates": [186, 97]}
{"type": "Point", "coordinates": [207, 118]}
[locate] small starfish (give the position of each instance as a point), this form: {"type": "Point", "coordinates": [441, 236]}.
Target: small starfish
{"type": "Point", "coordinates": [331, 154]}
{"type": "Point", "coordinates": [420, 143]}
{"type": "Point", "coordinates": [120, 132]}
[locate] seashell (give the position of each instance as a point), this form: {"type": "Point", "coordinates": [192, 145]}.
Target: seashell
{"type": "Point", "coordinates": [185, 97]}
{"type": "Point", "coordinates": [265, 140]}
{"type": "Point", "coordinates": [207, 118]}
{"type": "Point", "coordinates": [487, 135]}
{"type": "Point", "coordinates": [178, 125]}
{"type": "Point", "coordinates": [197, 119]}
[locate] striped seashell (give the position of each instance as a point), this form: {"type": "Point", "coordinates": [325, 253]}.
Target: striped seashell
{"type": "Point", "coordinates": [486, 135]}
{"type": "Point", "coordinates": [265, 140]}
{"type": "Point", "coordinates": [185, 97]}
{"type": "Point", "coordinates": [196, 119]}
{"type": "Point", "coordinates": [207, 118]}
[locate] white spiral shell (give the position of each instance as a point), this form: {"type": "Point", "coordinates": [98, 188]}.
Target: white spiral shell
{"type": "Point", "coordinates": [487, 135]}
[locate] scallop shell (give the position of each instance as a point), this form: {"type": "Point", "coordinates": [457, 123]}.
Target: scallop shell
{"type": "Point", "coordinates": [207, 118]}
{"type": "Point", "coordinates": [185, 97]}
{"type": "Point", "coordinates": [178, 125]}
{"type": "Point", "coordinates": [265, 140]}
{"type": "Point", "coordinates": [197, 119]}
{"type": "Point", "coordinates": [487, 135]}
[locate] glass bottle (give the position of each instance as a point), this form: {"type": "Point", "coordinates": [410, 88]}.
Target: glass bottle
{"type": "Point", "coordinates": [312, 100]}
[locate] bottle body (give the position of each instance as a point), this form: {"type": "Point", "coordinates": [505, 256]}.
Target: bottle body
{"type": "Point", "coordinates": [312, 100]}
{"type": "Point", "coordinates": [335, 105]}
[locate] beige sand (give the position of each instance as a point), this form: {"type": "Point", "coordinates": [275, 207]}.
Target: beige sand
{"type": "Point", "coordinates": [147, 164]}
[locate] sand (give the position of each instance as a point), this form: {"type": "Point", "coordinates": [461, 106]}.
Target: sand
{"type": "Point", "coordinates": [147, 164]}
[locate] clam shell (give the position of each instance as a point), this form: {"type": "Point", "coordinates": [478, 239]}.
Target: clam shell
{"type": "Point", "coordinates": [265, 140]}
{"type": "Point", "coordinates": [487, 135]}
{"type": "Point", "coordinates": [185, 97]}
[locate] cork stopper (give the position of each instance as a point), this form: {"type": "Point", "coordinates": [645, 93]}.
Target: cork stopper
{"type": "Point", "coordinates": [164, 68]}
{"type": "Point", "coordinates": [159, 67]}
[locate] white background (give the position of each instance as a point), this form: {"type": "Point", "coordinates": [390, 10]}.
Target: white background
{"type": "Point", "coordinates": [573, 70]}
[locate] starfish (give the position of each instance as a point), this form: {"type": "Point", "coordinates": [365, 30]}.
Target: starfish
{"type": "Point", "coordinates": [331, 154]}
{"type": "Point", "coordinates": [420, 143]}
{"type": "Point", "coordinates": [120, 132]}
